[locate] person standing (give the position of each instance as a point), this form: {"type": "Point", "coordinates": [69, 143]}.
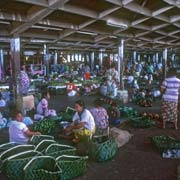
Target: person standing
{"type": "Point", "coordinates": [169, 111]}
{"type": "Point", "coordinates": [24, 81]}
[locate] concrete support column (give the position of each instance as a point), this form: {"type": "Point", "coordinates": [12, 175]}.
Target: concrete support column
{"type": "Point", "coordinates": [1, 64]}
{"type": "Point", "coordinates": [100, 58]}
{"type": "Point", "coordinates": [157, 57]}
{"type": "Point", "coordinates": [173, 60]}
{"type": "Point", "coordinates": [92, 61]}
{"type": "Point", "coordinates": [164, 62]}
{"type": "Point", "coordinates": [139, 57]}
{"type": "Point", "coordinates": [46, 59]}
{"type": "Point", "coordinates": [55, 57]}
{"type": "Point", "coordinates": [120, 62]}
{"type": "Point", "coordinates": [134, 56]}
{"type": "Point", "coordinates": [15, 61]}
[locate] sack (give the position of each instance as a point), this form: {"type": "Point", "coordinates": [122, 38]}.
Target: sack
{"type": "Point", "coordinates": [103, 151]}
{"type": "Point", "coordinates": [121, 136]}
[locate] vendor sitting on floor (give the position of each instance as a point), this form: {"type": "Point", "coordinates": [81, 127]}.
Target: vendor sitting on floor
{"type": "Point", "coordinates": [42, 108]}
{"type": "Point", "coordinates": [100, 116]}
{"type": "Point", "coordinates": [83, 125]}
{"type": "Point", "coordinates": [18, 131]}
{"type": "Point", "coordinates": [114, 114]}
{"type": "Point", "coordinates": [71, 88]}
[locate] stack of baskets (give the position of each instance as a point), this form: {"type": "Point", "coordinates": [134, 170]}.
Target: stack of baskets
{"type": "Point", "coordinates": [43, 159]}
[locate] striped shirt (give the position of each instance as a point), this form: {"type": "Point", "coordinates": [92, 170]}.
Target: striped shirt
{"type": "Point", "coordinates": [172, 86]}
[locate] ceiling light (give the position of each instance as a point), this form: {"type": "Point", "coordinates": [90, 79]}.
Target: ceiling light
{"type": "Point", "coordinates": [39, 41]}
{"type": "Point", "coordinates": [116, 24]}
{"type": "Point", "coordinates": [114, 37]}
{"type": "Point", "coordinates": [88, 33]}
{"type": "Point", "coordinates": [4, 22]}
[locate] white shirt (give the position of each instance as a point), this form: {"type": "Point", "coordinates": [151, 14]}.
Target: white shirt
{"type": "Point", "coordinates": [86, 117]}
{"type": "Point", "coordinates": [17, 132]}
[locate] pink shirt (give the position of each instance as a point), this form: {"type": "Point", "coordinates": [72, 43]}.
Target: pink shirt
{"type": "Point", "coordinates": [17, 132]}
{"type": "Point", "coordinates": [43, 104]}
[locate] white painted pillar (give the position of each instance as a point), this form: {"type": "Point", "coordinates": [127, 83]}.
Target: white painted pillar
{"type": "Point", "coordinates": [92, 61]}
{"type": "Point", "coordinates": [120, 60]}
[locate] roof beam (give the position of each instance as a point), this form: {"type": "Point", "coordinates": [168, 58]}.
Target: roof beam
{"type": "Point", "coordinates": [125, 2]}
{"type": "Point", "coordinates": [79, 11]}
{"type": "Point", "coordinates": [12, 17]}
{"type": "Point", "coordinates": [49, 22]}
{"type": "Point", "coordinates": [159, 26]}
{"type": "Point", "coordinates": [171, 2]}
{"type": "Point", "coordinates": [34, 18]}
{"type": "Point", "coordinates": [35, 2]}
{"type": "Point", "coordinates": [108, 11]}
{"type": "Point", "coordinates": [134, 23]}
{"type": "Point", "coordinates": [174, 18]}
{"type": "Point", "coordinates": [138, 9]}
{"type": "Point", "coordinates": [116, 2]}
{"type": "Point", "coordinates": [160, 11]}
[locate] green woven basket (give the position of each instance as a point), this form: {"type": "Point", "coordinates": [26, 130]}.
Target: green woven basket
{"type": "Point", "coordinates": [142, 122]}
{"type": "Point", "coordinates": [56, 150]}
{"type": "Point", "coordinates": [46, 126]}
{"type": "Point", "coordinates": [42, 168]}
{"type": "Point", "coordinates": [103, 151]}
{"type": "Point", "coordinates": [6, 146]}
{"type": "Point", "coordinates": [42, 146]}
{"type": "Point", "coordinates": [13, 166]}
{"type": "Point", "coordinates": [36, 139]}
{"type": "Point", "coordinates": [164, 142]}
{"type": "Point", "coordinates": [14, 150]}
{"type": "Point", "coordinates": [72, 166]}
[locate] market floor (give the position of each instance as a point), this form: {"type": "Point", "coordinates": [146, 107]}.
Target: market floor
{"type": "Point", "coordinates": [137, 160]}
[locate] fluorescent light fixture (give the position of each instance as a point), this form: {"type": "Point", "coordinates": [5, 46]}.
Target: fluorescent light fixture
{"type": "Point", "coordinates": [39, 41]}
{"type": "Point", "coordinates": [4, 22]}
{"type": "Point", "coordinates": [116, 24]}
{"type": "Point", "coordinates": [114, 37]}
{"type": "Point", "coordinates": [47, 28]}
{"type": "Point", "coordinates": [88, 33]}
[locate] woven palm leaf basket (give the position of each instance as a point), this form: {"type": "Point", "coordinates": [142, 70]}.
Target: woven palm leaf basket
{"type": "Point", "coordinates": [42, 168]}
{"type": "Point", "coordinates": [72, 166]}
{"type": "Point", "coordinates": [13, 166]}
{"type": "Point", "coordinates": [56, 150]}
